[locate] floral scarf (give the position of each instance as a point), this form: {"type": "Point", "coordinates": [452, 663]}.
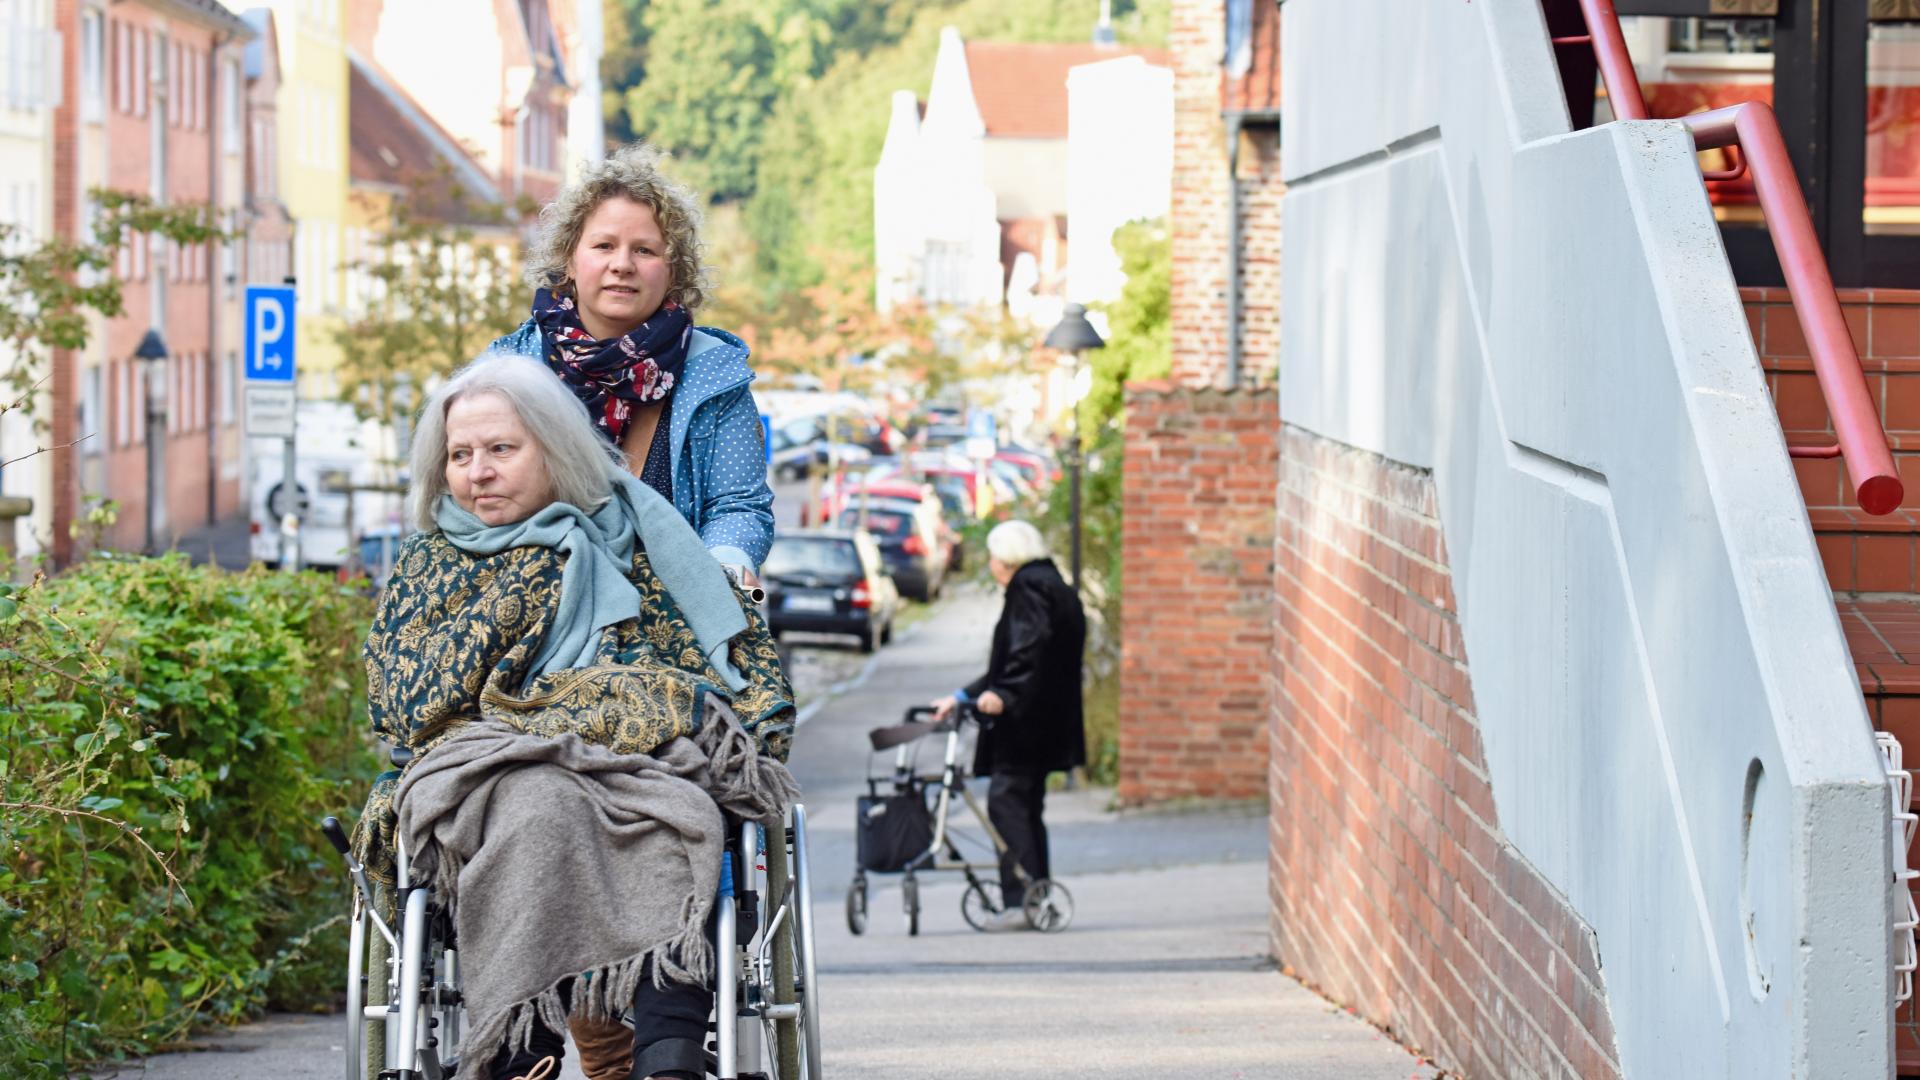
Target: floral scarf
{"type": "Point", "coordinates": [612, 376]}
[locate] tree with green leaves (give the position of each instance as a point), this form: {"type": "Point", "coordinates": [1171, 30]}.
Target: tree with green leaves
{"type": "Point", "coordinates": [1139, 323]}
{"type": "Point", "coordinates": [444, 279]}
{"type": "Point", "coordinates": [51, 292]}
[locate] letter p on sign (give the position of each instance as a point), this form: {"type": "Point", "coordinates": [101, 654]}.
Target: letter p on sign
{"type": "Point", "coordinates": [270, 336]}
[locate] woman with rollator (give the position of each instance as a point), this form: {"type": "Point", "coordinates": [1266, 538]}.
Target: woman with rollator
{"type": "Point", "coordinates": [585, 693]}
{"type": "Point", "coordinates": [1029, 701]}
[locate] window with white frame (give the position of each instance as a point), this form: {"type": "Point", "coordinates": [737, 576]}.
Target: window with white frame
{"type": "Point", "coordinates": [93, 66]}
{"type": "Point", "coordinates": [137, 401]}
{"type": "Point", "coordinates": [122, 382]}
{"type": "Point", "coordinates": [91, 430]}
{"type": "Point", "coordinates": [142, 66]}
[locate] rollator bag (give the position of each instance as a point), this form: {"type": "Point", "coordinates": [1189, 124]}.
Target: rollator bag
{"type": "Point", "coordinates": [893, 830]}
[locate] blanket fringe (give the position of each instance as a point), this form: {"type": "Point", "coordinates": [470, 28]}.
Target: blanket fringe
{"type": "Point", "coordinates": [745, 782]}
{"type": "Point", "coordinates": [602, 993]}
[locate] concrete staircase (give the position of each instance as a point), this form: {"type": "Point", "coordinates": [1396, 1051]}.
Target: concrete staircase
{"type": "Point", "coordinates": [1872, 562]}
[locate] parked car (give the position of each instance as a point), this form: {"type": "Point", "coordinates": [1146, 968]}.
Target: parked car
{"type": "Point", "coordinates": [830, 581]}
{"type": "Point", "coordinates": [1035, 469]}
{"type": "Point", "coordinates": [950, 518]}
{"type": "Point", "coordinates": [912, 539]}
{"type": "Point", "coordinates": [800, 444]}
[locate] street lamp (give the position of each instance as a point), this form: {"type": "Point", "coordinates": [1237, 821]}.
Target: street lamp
{"type": "Point", "coordinates": [152, 353]}
{"type": "Point", "coordinates": [1072, 335]}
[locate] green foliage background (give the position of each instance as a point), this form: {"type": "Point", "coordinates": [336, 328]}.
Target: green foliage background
{"type": "Point", "coordinates": [170, 735]}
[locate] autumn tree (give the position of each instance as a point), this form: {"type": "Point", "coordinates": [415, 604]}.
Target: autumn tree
{"type": "Point", "coordinates": [440, 284]}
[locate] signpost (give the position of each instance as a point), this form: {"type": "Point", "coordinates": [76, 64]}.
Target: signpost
{"type": "Point", "coordinates": [271, 397]}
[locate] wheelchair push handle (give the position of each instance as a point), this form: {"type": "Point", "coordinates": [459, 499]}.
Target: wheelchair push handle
{"type": "Point", "coordinates": [336, 834]}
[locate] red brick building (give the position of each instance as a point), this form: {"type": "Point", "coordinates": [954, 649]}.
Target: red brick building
{"type": "Point", "coordinates": [1201, 450]}
{"type": "Point", "coordinates": [155, 105]}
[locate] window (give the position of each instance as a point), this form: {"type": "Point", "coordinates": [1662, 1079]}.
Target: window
{"type": "Point", "coordinates": [122, 77]}
{"type": "Point", "coordinates": [176, 98]}
{"type": "Point", "coordinates": [92, 67]}
{"type": "Point", "coordinates": [230, 105]}
{"type": "Point", "coordinates": [122, 402]}
{"type": "Point", "coordinates": [143, 46]}
{"type": "Point", "coordinates": [90, 427]}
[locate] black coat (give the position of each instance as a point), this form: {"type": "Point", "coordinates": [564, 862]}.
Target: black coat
{"type": "Point", "coordinates": [1035, 668]}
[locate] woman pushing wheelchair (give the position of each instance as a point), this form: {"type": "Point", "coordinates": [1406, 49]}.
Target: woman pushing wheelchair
{"type": "Point", "coordinates": [561, 635]}
{"type": "Point", "coordinates": [585, 693]}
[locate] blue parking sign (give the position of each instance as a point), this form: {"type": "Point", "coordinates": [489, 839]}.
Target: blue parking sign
{"type": "Point", "coordinates": [270, 336]}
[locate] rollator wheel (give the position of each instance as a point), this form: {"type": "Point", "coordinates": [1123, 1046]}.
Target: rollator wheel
{"type": "Point", "coordinates": [857, 906]}
{"type": "Point", "coordinates": [1049, 906]}
{"type": "Point", "coordinates": [910, 895]}
{"type": "Point", "coordinates": [980, 903]}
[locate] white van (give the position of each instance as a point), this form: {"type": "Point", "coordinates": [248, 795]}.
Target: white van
{"type": "Point", "coordinates": [337, 456]}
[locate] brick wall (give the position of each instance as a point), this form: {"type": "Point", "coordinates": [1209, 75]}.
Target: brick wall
{"type": "Point", "coordinates": [1197, 36]}
{"type": "Point", "coordinates": [1862, 553]}
{"type": "Point", "coordinates": [1196, 592]}
{"type": "Point", "coordinates": [1393, 889]}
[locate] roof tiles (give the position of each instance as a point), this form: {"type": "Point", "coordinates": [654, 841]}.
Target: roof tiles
{"type": "Point", "coordinates": [1021, 88]}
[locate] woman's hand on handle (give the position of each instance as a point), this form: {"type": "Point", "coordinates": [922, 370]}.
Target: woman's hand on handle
{"type": "Point", "coordinates": [943, 707]}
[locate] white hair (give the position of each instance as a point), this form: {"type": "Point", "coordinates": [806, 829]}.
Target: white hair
{"type": "Point", "coordinates": [1016, 543]}
{"type": "Point", "coordinates": [578, 458]}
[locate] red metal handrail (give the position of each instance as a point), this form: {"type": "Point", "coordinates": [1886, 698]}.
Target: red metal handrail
{"type": "Point", "coordinates": [1751, 128]}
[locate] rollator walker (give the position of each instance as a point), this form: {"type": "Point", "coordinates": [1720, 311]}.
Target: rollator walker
{"type": "Point", "coordinates": [898, 832]}
{"type": "Point", "coordinates": [404, 1013]}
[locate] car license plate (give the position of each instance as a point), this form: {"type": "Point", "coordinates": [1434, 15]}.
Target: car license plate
{"type": "Point", "coordinates": [819, 605]}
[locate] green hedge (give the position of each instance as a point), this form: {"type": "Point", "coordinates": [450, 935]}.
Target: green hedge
{"type": "Point", "coordinates": [169, 735]}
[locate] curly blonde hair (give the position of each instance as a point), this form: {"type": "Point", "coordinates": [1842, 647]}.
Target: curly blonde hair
{"type": "Point", "coordinates": [632, 172]}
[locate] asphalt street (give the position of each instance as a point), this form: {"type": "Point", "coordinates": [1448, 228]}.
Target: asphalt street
{"type": "Point", "coordinates": [1164, 971]}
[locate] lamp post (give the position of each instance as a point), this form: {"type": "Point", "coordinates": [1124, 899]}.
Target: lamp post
{"type": "Point", "coordinates": [152, 354]}
{"type": "Point", "coordinates": [1072, 335]}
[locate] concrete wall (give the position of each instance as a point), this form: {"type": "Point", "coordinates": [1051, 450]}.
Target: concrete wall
{"type": "Point", "coordinates": [1672, 732]}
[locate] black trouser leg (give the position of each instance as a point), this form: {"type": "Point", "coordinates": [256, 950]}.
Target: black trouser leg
{"type": "Point", "coordinates": [1015, 802]}
{"type": "Point", "coordinates": [670, 1022]}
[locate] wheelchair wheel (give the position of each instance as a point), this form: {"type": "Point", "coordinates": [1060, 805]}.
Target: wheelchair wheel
{"type": "Point", "coordinates": [1049, 906]}
{"type": "Point", "coordinates": [980, 902]}
{"type": "Point", "coordinates": [803, 945]}
{"type": "Point", "coordinates": [857, 905]}
{"type": "Point", "coordinates": [910, 898]}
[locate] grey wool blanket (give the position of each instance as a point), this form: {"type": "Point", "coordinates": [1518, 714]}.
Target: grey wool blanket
{"type": "Point", "coordinates": [568, 863]}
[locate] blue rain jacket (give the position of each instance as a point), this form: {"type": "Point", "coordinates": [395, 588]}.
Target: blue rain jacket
{"type": "Point", "coordinates": [719, 461]}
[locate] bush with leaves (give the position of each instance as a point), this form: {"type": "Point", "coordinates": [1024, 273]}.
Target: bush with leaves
{"type": "Point", "coordinates": [170, 734]}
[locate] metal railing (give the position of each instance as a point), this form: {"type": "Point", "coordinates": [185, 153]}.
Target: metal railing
{"type": "Point", "coordinates": [1750, 127]}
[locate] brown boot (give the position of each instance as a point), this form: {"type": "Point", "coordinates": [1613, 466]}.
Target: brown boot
{"type": "Point", "coordinates": [606, 1048]}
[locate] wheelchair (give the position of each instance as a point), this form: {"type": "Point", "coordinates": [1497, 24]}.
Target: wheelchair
{"type": "Point", "coordinates": [897, 832]}
{"type": "Point", "coordinates": [404, 1012]}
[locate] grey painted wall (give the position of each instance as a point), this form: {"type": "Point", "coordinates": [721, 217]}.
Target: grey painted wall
{"type": "Point", "coordinates": [1547, 321]}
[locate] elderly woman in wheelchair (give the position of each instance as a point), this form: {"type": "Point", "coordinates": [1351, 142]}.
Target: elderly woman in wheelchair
{"type": "Point", "coordinates": [586, 699]}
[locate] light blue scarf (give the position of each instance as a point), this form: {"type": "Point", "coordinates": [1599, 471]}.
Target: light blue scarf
{"type": "Point", "coordinates": [594, 590]}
